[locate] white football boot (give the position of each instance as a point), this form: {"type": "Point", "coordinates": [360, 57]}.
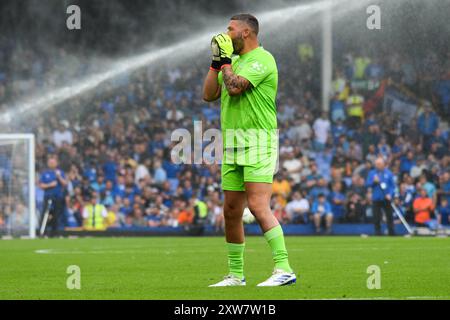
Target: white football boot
{"type": "Point", "coordinates": [279, 278]}
{"type": "Point", "coordinates": [230, 281]}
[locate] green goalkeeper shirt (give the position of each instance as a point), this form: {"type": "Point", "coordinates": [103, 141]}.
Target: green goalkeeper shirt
{"type": "Point", "coordinates": [255, 108]}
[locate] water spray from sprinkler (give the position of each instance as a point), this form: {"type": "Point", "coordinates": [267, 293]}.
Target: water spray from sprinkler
{"type": "Point", "coordinates": [190, 47]}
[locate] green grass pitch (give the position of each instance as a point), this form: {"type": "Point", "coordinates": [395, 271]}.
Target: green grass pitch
{"type": "Point", "coordinates": [182, 268]}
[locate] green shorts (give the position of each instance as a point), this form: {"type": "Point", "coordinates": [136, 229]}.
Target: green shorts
{"type": "Point", "coordinates": [248, 164]}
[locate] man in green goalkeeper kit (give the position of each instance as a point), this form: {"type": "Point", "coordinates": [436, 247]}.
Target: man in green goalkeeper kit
{"type": "Point", "coordinates": [247, 87]}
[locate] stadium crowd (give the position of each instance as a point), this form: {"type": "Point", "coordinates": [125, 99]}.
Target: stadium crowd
{"type": "Point", "coordinates": [114, 146]}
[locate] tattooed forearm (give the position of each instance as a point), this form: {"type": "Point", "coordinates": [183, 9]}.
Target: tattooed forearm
{"type": "Point", "coordinates": [235, 84]}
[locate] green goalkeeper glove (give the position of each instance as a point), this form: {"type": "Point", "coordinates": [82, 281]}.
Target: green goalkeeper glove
{"type": "Point", "coordinates": [222, 49]}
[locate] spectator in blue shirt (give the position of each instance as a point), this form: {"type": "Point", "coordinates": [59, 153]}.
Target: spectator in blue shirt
{"type": "Point", "coordinates": [442, 90]}
{"type": "Point", "coordinates": [156, 144]}
{"type": "Point", "coordinates": [438, 144]}
{"type": "Point", "coordinates": [321, 210]}
{"type": "Point", "coordinates": [312, 178]}
{"type": "Point", "coordinates": [444, 190]}
{"type": "Point", "coordinates": [383, 148]}
{"type": "Point", "coordinates": [99, 185]}
{"type": "Point", "coordinates": [166, 194]}
{"type": "Point", "coordinates": [398, 147]}
{"type": "Point", "coordinates": [337, 200]}
{"type": "Point", "coordinates": [159, 174]}
{"type": "Point", "coordinates": [172, 170]}
{"type": "Point", "coordinates": [119, 187]}
{"type": "Point", "coordinates": [320, 188]}
{"type": "Point", "coordinates": [428, 186]}
{"type": "Point", "coordinates": [406, 198]}
{"type": "Point", "coordinates": [343, 143]}
{"type": "Point", "coordinates": [407, 162]}
{"type": "Point", "coordinates": [90, 171]}
{"type": "Point", "coordinates": [374, 71]}
{"type": "Point", "coordinates": [53, 181]}
{"type": "Point", "coordinates": [188, 191]}
{"type": "Point", "coordinates": [129, 193]}
{"type": "Point", "coordinates": [444, 212]}
{"type": "Point", "coordinates": [110, 169]}
{"type": "Point", "coordinates": [126, 208]}
{"type": "Point", "coordinates": [427, 123]}
{"type": "Point", "coordinates": [323, 160]}
{"type": "Point", "coordinates": [107, 194]}
{"type": "Point", "coordinates": [337, 108]}
{"type": "Point", "coordinates": [381, 182]}
{"type": "Point", "coordinates": [154, 219]}
{"type": "Point", "coordinates": [338, 130]}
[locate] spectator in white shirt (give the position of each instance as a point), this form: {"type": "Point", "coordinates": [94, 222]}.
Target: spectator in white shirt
{"type": "Point", "coordinates": [286, 148]}
{"type": "Point", "coordinates": [142, 173]}
{"type": "Point", "coordinates": [418, 168]}
{"type": "Point", "coordinates": [300, 131]}
{"type": "Point", "coordinates": [321, 128]}
{"type": "Point", "coordinates": [174, 75]}
{"type": "Point", "coordinates": [293, 166]}
{"type": "Point", "coordinates": [298, 208]}
{"type": "Point", "coordinates": [174, 114]}
{"type": "Point", "coordinates": [62, 134]}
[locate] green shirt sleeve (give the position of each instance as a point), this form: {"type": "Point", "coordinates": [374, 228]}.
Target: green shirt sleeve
{"type": "Point", "coordinates": [256, 70]}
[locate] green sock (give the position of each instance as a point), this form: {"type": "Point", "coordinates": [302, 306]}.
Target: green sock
{"type": "Point", "coordinates": [236, 259]}
{"type": "Point", "coordinates": [275, 238]}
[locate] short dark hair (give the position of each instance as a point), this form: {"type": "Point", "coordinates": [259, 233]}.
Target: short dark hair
{"type": "Point", "coordinates": [248, 19]}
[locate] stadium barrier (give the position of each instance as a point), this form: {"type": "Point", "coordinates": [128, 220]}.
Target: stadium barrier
{"type": "Point", "coordinates": [250, 229]}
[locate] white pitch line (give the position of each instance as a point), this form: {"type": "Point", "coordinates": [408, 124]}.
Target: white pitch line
{"type": "Point", "coordinates": [388, 298]}
{"type": "Point", "coordinates": [43, 251]}
{"type": "Point", "coordinates": [55, 251]}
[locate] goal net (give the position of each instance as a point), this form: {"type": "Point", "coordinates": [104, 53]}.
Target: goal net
{"type": "Point", "coordinates": [17, 185]}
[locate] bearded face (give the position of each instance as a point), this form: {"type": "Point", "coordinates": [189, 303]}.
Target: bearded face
{"type": "Point", "coordinates": [238, 43]}
{"type": "Point", "coordinates": [236, 30]}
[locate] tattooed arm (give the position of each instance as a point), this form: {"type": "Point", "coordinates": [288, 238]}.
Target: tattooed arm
{"type": "Point", "coordinates": [235, 84]}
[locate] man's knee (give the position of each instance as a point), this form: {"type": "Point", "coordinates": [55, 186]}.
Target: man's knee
{"type": "Point", "coordinates": [232, 211]}
{"type": "Point", "coordinates": [257, 205]}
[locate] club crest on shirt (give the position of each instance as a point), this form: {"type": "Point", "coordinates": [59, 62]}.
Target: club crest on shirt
{"type": "Point", "coordinates": [258, 67]}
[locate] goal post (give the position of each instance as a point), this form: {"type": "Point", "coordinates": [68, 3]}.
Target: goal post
{"type": "Point", "coordinates": [17, 172]}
